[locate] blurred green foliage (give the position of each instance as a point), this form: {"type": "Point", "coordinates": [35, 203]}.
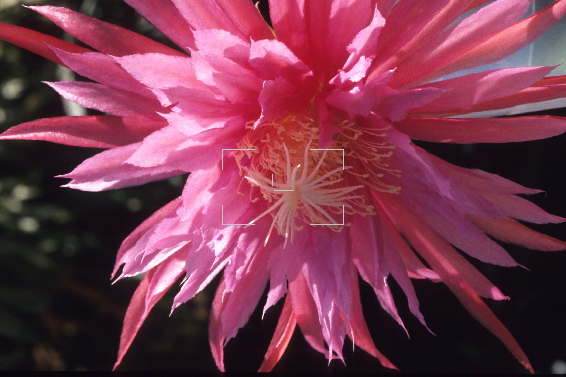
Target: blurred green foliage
{"type": "Point", "coordinates": [58, 310]}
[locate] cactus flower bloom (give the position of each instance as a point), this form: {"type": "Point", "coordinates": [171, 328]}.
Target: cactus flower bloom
{"type": "Point", "coordinates": [298, 137]}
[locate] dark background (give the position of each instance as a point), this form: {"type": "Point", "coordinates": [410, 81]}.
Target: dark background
{"type": "Point", "coordinates": [58, 310]}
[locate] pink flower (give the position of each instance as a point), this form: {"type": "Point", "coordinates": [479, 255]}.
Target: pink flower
{"type": "Point", "coordinates": [298, 143]}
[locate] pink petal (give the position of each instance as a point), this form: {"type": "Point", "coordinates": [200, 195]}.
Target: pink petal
{"type": "Point", "coordinates": [454, 227]}
{"type": "Point", "coordinates": [216, 336]}
{"type": "Point", "coordinates": [454, 272]}
{"type": "Point", "coordinates": [242, 300]}
{"type": "Point", "coordinates": [107, 38]}
{"type": "Point", "coordinates": [481, 180]}
{"type": "Point", "coordinates": [479, 310]}
{"type": "Point", "coordinates": [346, 19]}
{"type": "Point", "coordinates": [364, 44]}
{"type": "Point", "coordinates": [525, 96]}
{"type": "Point", "coordinates": [84, 131]}
{"type": "Point", "coordinates": [509, 40]}
{"type": "Point", "coordinates": [231, 310]}
{"type": "Point", "coordinates": [306, 313]}
{"type": "Point", "coordinates": [272, 59]}
{"type": "Point", "coordinates": [103, 69]}
{"type": "Point", "coordinates": [409, 25]}
{"type": "Point", "coordinates": [520, 209]}
{"type": "Point", "coordinates": [287, 19]}
{"type": "Point", "coordinates": [239, 17]}
{"type": "Point", "coordinates": [37, 42]}
{"type": "Point", "coordinates": [166, 17]}
{"type": "Point", "coordinates": [281, 337]}
{"type": "Point", "coordinates": [443, 258]}
{"type": "Point", "coordinates": [160, 71]}
{"type": "Point", "coordinates": [395, 105]}
{"type": "Point", "coordinates": [130, 243]}
{"type": "Point", "coordinates": [115, 101]}
{"type": "Point", "coordinates": [449, 46]}
{"type": "Point", "coordinates": [107, 171]}
{"type": "Point", "coordinates": [150, 290]}
{"type": "Point", "coordinates": [514, 232]}
{"type": "Point", "coordinates": [483, 130]}
{"type": "Point", "coordinates": [465, 92]}
{"type": "Point", "coordinates": [360, 333]}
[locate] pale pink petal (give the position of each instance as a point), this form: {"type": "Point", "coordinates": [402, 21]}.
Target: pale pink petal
{"type": "Point", "coordinates": [272, 59]}
{"type": "Point", "coordinates": [526, 96]}
{"type": "Point", "coordinates": [364, 44]}
{"type": "Point", "coordinates": [107, 171]}
{"type": "Point", "coordinates": [84, 131]}
{"type": "Point", "coordinates": [346, 19]}
{"type": "Point", "coordinates": [479, 310]}
{"type": "Point", "coordinates": [395, 105]}
{"type": "Point", "coordinates": [306, 313]}
{"type": "Point", "coordinates": [508, 40]}
{"type": "Point", "coordinates": [216, 336]}
{"type": "Point", "coordinates": [150, 290]}
{"type": "Point", "coordinates": [449, 46]}
{"type": "Point", "coordinates": [165, 16]}
{"type": "Point", "coordinates": [287, 17]}
{"type": "Point", "coordinates": [520, 209]}
{"type": "Point", "coordinates": [114, 101]}
{"type": "Point", "coordinates": [102, 36]}
{"type": "Point", "coordinates": [303, 27]}
{"type": "Point", "coordinates": [465, 92]}
{"type": "Point", "coordinates": [281, 337]}
{"type": "Point", "coordinates": [481, 180]}
{"type": "Point", "coordinates": [360, 333]}
{"type": "Point", "coordinates": [444, 259]}
{"type": "Point", "coordinates": [409, 25]}
{"type": "Point", "coordinates": [129, 244]}
{"type": "Point", "coordinates": [238, 17]}
{"type": "Point", "coordinates": [37, 42]}
{"type": "Point", "coordinates": [160, 71]}
{"type": "Point", "coordinates": [103, 69]}
{"type": "Point", "coordinates": [242, 300]}
{"type": "Point", "coordinates": [483, 130]}
{"type": "Point", "coordinates": [514, 232]}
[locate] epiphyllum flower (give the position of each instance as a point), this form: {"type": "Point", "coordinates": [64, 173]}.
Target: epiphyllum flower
{"type": "Point", "coordinates": [298, 143]}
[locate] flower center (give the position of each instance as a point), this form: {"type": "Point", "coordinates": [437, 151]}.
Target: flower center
{"type": "Point", "coordinates": [303, 184]}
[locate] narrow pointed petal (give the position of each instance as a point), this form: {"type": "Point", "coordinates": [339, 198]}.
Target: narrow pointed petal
{"type": "Point", "coordinates": [483, 130]}
{"type": "Point", "coordinates": [509, 40]}
{"type": "Point", "coordinates": [239, 17]}
{"type": "Point", "coordinates": [102, 131]}
{"type": "Point", "coordinates": [526, 100]}
{"type": "Point", "coordinates": [360, 333]}
{"type": "Point", "coordinates": [444, 259]}
{"type": "Point", "coordinates": [306, 313]}
{"type": "Point", "coordinates": [479, 310]}
{"type": "Point", "coordinates": [409, 25]}
{"type": "Point", "coordinates": [150, 290]}
{"type": "Point", "coordinates": [521, 209]}
{"type": "Point", "coordinates": [467, 91]}
{"type": "Point", "coordinates": [165, 16]}
{"type": "Point", "coordinates": [447, 47]}
{"type": "Point", "coordinates": [216, 335]}
{"type": "Point", "coordinates": [515, 232]}
{"type": "Point", "coordinates": [114, 101]}
{"type": "Point", "coordinates": [281, 337]}
{"type": "Point", "coordinates": [141, 231]}
{"type": "Point", "coordinates": [102, 36]}
{"type": "Point", "coordinates": [107, 171]}
{"type": "Point", "coordinates": [37, 42]}
{"type": "Point", "coordinates": [103, 69]}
